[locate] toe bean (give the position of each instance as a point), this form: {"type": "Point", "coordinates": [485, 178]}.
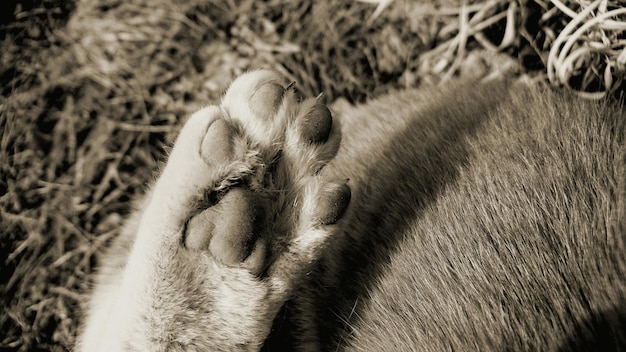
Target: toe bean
{"type": "Point", "coordinates": [333, 203]}
{"type": "Point", "coordinates": [217, 144]}
{"type": "Point", "coordinates": [266, 100]}
{"type": "Point", "coordinates": [315, 126]}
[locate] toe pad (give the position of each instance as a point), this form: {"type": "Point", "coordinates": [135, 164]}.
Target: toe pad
{"type": "Point", "coordinates": [333, 203]}
{"type": "Point", "coordinates": [315, 126]}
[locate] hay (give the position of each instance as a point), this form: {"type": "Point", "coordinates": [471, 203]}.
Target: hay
{"type": "Point", "coordinates": [89, 102]}
{"type": "Point", "coordinates": [581, 44]}
{"type": "Point", "coordinates": [589, 54]}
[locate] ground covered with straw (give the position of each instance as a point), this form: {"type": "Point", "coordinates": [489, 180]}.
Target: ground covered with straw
{"type": "Point", "coordinates": [92, 91]}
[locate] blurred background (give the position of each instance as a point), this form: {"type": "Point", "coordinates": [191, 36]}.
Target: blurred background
{"type": "Point", "coordinates": [92, 91]}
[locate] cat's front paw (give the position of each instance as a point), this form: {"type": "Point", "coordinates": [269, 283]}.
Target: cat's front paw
{"type": "Point", "coordinates": [270, 213]}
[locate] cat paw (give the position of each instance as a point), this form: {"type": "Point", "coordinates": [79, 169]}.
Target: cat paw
{"type": "Point", "coordinates": [265, 207]}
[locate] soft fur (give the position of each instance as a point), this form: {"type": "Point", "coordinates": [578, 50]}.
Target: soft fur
{"type": "Point", "coordinates": [482, 217]}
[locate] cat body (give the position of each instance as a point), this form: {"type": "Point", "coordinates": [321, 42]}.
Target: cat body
{"type": "Point", "coordinates": [481, 216]}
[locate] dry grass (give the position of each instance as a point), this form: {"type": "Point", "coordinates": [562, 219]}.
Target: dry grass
{"type": "Point", "coordinates": [589, 54]}
{"type": "Point", "coordinates": [88, 104]}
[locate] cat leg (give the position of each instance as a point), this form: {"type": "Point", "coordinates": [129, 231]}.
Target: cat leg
{"type": "Point", "coordinates": [230, 228]}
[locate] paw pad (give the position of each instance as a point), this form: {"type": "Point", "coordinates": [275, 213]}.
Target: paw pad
{"type": "Point", "coordinates": [217, 144]}
{"type": "Point", "coordinates": [266, 100]}
{"type": "Point", "coordinates": [316, 124]}
{"type": "Point", "coordinates": [333, 202]}
{"type": "Point", "coordinates": [230, 230]}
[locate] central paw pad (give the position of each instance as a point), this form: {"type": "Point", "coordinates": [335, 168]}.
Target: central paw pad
{"type": "Point", "coordinates": [231, 230]}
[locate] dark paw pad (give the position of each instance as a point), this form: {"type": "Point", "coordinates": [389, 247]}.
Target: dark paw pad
{"type": "Point", "coordinates": [316, 124]}
{"type": "Point", "coordinates": [333, 202]}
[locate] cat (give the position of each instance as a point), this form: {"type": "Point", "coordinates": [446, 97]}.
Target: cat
{"type": "Point", "coordinates": [472, 216]}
